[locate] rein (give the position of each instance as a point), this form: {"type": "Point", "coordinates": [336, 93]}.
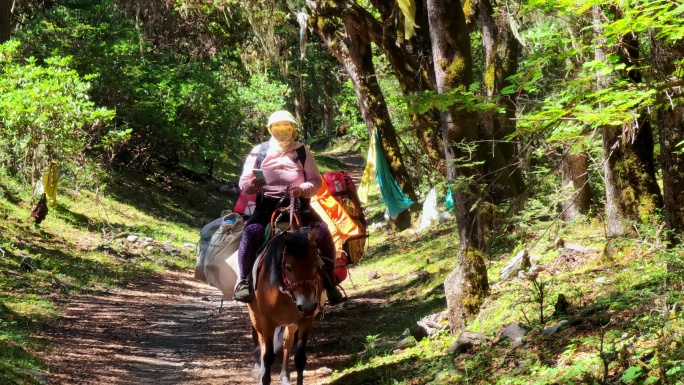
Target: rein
{"type": "Point", "coordinates": [289, 286]}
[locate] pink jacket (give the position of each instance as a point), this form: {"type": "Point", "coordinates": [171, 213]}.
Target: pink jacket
{"type": "Point", "coordinates": [282, 170]}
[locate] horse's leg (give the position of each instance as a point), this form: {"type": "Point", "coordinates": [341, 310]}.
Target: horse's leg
{"type": "Point", "coordinates": [288, 337]}
{"type": "Point", "coordinates": [300, 356]}
{"type": "Point", "coordinates": [267, 353]}
{"type": "Point", "coordinates": [256, 353]}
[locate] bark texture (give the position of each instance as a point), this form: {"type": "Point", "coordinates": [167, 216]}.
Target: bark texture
{"type": "Point", "coordinates": [355, 54]}
{"type": "Point", "coordinates": [453, 68]}
{"type": "Point", "coordinates": [466, 287]}
{"type": "Point", "coordinates": [671, 124]}
{"type": "Point", "coordinates": [410, 61]}
{"type": "Point", "coordinates": [575, 175]}
{"type": "Point", "coordinates": [629, 171]}
{"type": "Point", "coordinates": [502, 51]}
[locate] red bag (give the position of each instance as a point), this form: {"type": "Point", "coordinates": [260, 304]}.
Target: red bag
{"type": "Point", "coordinates": [339, 182]}
{"type": "Point", "coordinates": [340, 269]}
{"type": "Point", "coordinates": [342, 188]}
{"type": "Point", "coordinates": [246, 204]}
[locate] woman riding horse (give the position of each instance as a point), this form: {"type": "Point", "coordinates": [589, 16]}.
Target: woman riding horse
{"type": "Point", "coordinates": [285, 175]}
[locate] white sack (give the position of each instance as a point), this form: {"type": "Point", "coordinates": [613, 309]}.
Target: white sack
{"type": "Point", "coordinates": [429, 210]}
{"type": "Point", "coordinates": [217, 253]}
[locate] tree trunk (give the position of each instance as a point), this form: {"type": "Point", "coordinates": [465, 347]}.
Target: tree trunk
{"type": "Point", "coordinates": [357, 58]}
{"type": "Point", "coordinates": [328, 105]}
{"type": "Point", "coordinates": [575, 175]}
{"type": "Point", "coordinates": [411, 67]}
{"type": "Point", "coordinates": [671, 124]}
{"type": "Point", "coordinates": [631, 187]}
{"type": "Point", "coordinates": [501, 51]}
{"type": "Point", "coordinates": [5, 19]}
{"type": "Point", "coordinates": [453, 68]}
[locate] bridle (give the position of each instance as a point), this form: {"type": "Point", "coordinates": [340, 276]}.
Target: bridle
{"type": "Point", "coordinates": [288, 285]}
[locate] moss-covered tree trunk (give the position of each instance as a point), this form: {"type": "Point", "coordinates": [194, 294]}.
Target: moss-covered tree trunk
{"type": "Point", "coordinates": [410, 61]}
{"type": "Point", "coordinates": [629, 170]}
{"type": "Point", "coordinates": [671, 124]}
{"type": "Point", "coordinates": [453, 68]}
{"type": "Point", "coordinates": [501, 51]}
{"type": "Point", "coordinates": [356, 56]}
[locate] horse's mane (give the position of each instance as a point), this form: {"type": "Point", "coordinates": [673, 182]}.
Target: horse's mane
{"type": "Point", "coordinates": [297, 245]}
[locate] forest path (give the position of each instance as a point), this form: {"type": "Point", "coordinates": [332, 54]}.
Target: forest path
{"type": "Point", "coordinates": [354, 164]}
{"type": "Point", "coordinates": [167, 329]}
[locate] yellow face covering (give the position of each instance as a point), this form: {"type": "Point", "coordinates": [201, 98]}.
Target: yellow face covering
{"type": "Point", "coordinates": [282, 132]}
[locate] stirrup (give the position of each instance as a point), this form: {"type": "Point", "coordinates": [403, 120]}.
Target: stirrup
{"type": "Point", "coordinates": [243, 291]}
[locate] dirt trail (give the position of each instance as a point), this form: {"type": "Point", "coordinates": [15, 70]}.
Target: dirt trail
{"type": "Point", "coordinates": [167, 329]}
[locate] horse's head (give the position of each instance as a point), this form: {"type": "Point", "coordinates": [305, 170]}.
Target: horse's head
{"type": "Point", "coordinates": [299, 271]}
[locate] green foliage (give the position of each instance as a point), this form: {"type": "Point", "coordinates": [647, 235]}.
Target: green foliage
{"type": "Point", "coordinates": [259, 98]}
{"type": "Point", "coordinates": [182, 108]}
{"type": "Point", "coordinates": [461, 99]}
{"type": "Point", "coordinates": [560, 65]}
{"type": "Point", "coordinates": [47, 116]}
{"type": "Point", "coordinates": [349, 119]}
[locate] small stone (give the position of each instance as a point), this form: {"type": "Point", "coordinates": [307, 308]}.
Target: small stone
{"type": "Point", "coordinates": [189, 245]}
{"type": "Point", "coordinates": [373, 275]}
{"type": "Point", "coordinates": [466, 340]}
{"type": "Point", "coordinates": [559, 243]}
{"type": "Point", "coordinates": [324, 370]}
{"type": "Point", "coordinates": [132, 238]}
{"type": "Point", "coordinates": [406, 342]}
{"type": "Point", "coordinates": [513, 331]}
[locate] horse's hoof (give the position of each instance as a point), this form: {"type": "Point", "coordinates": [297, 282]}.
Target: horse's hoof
{"type": "Point", "coordinates": [285, 381]}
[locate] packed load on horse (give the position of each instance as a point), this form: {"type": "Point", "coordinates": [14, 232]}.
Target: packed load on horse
{"type": "Point", "coordinates": [286, 247]}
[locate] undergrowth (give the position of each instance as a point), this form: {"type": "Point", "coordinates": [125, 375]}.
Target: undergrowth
{"type": "Point", "coordinates": [94, 239]}
{"type": "Point", "coordinates": [623, 325]}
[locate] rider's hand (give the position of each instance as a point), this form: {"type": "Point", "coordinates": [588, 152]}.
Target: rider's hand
{"type": "Point", "coordinates": [254, 186]}
{"type": "Point", "coordinates": [297, 192]}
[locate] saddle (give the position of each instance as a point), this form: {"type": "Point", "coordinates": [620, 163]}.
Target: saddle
{"type": "Point", "coordinates": [274, 229]}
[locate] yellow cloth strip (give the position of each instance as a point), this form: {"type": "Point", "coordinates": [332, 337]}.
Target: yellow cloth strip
{"type": "Point", "coordinates": [368, 173]}
{"type": "Point", "coordinates": [50, 180]}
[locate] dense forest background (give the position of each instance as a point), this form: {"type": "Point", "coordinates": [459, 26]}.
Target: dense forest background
{"type": "Point", "coordinates": [563, 110]}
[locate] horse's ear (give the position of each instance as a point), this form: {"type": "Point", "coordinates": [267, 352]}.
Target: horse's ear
{"type": "Point", "coordinates": [312, 235]}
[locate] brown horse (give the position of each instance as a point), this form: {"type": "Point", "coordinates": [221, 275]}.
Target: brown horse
{"type": "Point", "coordinates": [288, 293]}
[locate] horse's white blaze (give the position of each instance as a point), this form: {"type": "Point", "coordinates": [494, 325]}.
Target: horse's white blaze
{"type": "Point", "coordinates": [306, 303]}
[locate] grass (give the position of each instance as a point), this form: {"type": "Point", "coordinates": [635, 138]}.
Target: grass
{"type": "Point", "coordinates": [624, 324]}
{"type": "Point", "coordinates": [81, 247]}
